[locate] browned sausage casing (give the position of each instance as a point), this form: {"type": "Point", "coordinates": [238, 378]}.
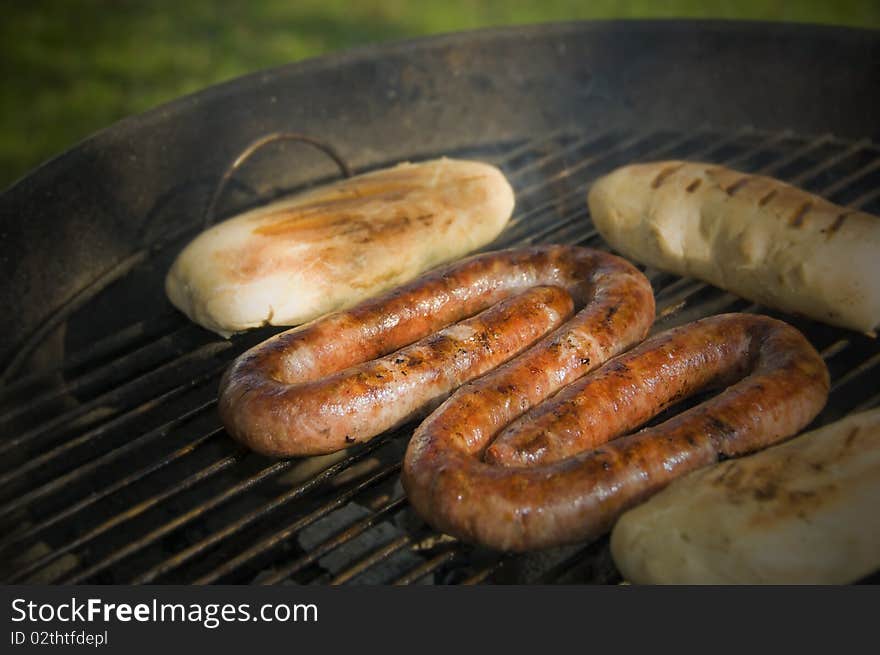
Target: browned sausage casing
{"type": "Point", "coordinates": [554, 475]}
{"type": "Point", "coordinates": [352, 375]}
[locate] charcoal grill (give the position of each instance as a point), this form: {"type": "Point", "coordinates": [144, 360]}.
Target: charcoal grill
{"type": "Point", "coordinates": [115, 466]}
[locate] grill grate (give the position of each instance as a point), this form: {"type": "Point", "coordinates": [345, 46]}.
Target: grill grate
{"type": "Point", "coordinates": [116, 468]}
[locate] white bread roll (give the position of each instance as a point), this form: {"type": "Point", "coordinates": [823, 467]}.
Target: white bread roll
{"type": "Point", "coordinates": [328, 248]}
{"type": "Point", "coordinates": [804, 512]}
{"type": "Point", "coordinates": [760, 238]}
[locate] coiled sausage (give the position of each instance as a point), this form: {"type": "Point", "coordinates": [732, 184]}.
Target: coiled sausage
{"type": "Point", "coordinates": [557, 473]}
{"type": "Point", "coordinates": [352, 375]}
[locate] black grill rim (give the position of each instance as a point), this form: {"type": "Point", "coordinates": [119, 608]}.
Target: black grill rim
{"type": "Point", "coordinates": [80, 214]}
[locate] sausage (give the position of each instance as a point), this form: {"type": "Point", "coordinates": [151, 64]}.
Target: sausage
{"type": "Point", "coordinates": [351, 375]}
{"type": "Point", "coordinates": [559, 471]}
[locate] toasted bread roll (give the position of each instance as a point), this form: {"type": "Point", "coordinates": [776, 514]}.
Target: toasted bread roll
{"type": "Point", "coordinates": [802, 512]}
{"type": "Point", "coordinates": [303, 256]}
{"type": "Point", "coordinates": [758, 237]}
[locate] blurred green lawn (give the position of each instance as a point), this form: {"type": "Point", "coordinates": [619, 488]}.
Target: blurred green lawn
{"type": "Point", "coordinates": [71, 67]}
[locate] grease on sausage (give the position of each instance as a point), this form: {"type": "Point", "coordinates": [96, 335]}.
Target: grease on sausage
{"type": "Point", "coordinates": [559, 474]}
{"type": "Point", "coordinates": [352, 375]}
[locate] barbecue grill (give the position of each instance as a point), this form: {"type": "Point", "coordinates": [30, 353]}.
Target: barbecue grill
{"type": "Point", "coordinates": [115, 466]}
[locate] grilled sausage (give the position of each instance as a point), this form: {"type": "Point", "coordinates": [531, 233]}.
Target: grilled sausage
{"type": "Point", "coordinates": [560, 475]}
{"type": "Point", "coordinates": [352, 375]}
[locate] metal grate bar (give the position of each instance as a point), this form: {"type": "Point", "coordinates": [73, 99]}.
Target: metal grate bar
{"type": "Point", "coordinates": [273, 540]}
{"type": "Point", "coordinates": [352, 531]}
{"type": "Point", "coordinates": [800, 179]}
{"type": "Point", "coordinates": [799, 153]}
{"type": "Point", "coordinates": [99, 348]}
{"type": "Point", "coordinates": [96, 496]}
{"type": "Point", "coordinates": [76, 301]}
{"type": "Point", "coordinates": [531, 236]}
{"type": "Point", "coordinates": [584, 163]}
{"type": "Point", "coordinates": [242, 522]}
{"type": "Point", "coordinates": [109, 398]}
{"type": "Point", "coordinates": [80, 298]}
{"type": "Point", "coordinates": [870, 403]}
{"type": "Point", "coordinates": [519, 224]}
{"type": "Point", "coordinates": [372, 559]}
{"type": "Point", "coordinates": [531, 145]}
{"type": "Point", "coordinates": [672, 303]}
{"type": "Point", "coordinates": [582, 143]}
{"type": "Point", "coordinates": [569, 227]}
{"type": "Point", "coordinates": [137, 358]}
{"type": "Point", "coordinates": [65, 447]}
{"type": "Point", "coordinates": [592, 552]}
{"type": "Point", "coordinates": [770, 141]}
{"type": "Point", "coordinates": [836, 347]}
{"type": "Point", "coordinates": [80, 472]}
{"type": "Point", "coordinates": [865, 198]}
{"type": "Point", "coordinates": [135, 511]}
{"type": "Point", "coordinates": [674, 290]}
{"type": "Point", "coordinates": [427, 568]}
{"type": "Point", "coordinates": [844, 182]}
{"type": "Point", "coordinates": [521, 232]}
{"type": "Point", "coordinates": [486, 572]}
{"type": "Point", "coordinates": [855, 372]}
{"type": "Point", "coordinates": [829, 162]}
{"type": "Point", "coordinates": [181, 520]}
{"type": "Point", "coordinates": [518, 221]}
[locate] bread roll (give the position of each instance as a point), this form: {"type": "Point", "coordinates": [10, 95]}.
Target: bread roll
{"type": "Point", "coordinates": [760, 238]}
{"type": "Point", "coordinates": [805, 511]}
{"type": "Point", "coordinates": [303, 256]}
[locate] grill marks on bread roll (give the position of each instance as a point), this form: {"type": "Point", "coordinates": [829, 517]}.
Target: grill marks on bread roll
{"type": "Point", "coordinates": [326, 249]}
{"type": "Point", "coordinates": [804, 512]}
{"type": "Point", "coordinates": [760, 238]}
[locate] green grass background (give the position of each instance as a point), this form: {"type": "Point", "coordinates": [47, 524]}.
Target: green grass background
{"type": "Point", "coordinates": [71, 67]}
